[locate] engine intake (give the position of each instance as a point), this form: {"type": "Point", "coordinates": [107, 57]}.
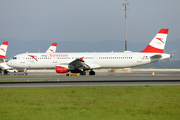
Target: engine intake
{"type": "Point", "coordinates": [62, 69]}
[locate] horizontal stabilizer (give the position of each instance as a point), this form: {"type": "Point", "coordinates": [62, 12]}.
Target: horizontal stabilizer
{"type": "Point", "coordinates": [1, 60]}
{"type": "Point", "coordinates": [156, 56]}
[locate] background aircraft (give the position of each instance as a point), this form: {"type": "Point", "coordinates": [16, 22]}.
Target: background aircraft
{"type": "Point", "coordinates": [3, 49]}
{"type": "Point", "coordinates": [52, 48]}
{"type": "Point", "coordinates": [3, 62]}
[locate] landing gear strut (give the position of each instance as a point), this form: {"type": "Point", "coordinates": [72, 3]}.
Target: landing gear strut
{"type": "Point", "coordinates": [82, 73]}
{"type": "Point", "coordinates": [25, 71]}
{"type": "Point", "coordinates": [5, 72]}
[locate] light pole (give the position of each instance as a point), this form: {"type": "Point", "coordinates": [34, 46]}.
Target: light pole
{"type": "Point", "coordinates": [125, 3]}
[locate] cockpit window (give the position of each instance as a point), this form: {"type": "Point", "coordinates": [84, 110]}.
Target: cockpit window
{"type": "Point", "coordinates": [14, 58]}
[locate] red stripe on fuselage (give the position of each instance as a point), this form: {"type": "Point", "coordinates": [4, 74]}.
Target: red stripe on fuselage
{"type": "Point", "coordinates": [150, 49]}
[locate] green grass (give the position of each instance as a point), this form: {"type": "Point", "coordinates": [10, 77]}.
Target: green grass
{"type": "Point", "coordinates": [87, 103]}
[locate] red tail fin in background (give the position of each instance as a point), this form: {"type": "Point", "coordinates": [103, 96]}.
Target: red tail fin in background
{"type": "Point", "coordinates": [3, 49]}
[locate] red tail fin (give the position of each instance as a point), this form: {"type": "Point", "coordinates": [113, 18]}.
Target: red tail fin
{"type": "Point", "coordinates": [158, 42]}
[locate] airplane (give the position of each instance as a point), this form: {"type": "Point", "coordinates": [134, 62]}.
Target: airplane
{"type": "Point", "coordinates": [80, 62]}
{"type": "Point", "coordinates": [3, 66]}
{"type": "Point", "coordinates": [3, 48]}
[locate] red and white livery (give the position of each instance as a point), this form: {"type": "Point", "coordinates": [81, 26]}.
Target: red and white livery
{"type": "Point", "coordinates": [52, 48]}
{"type": "Point", "coordinates": [80, 62]}
{"type": "Point", "coordinates": [158, 43]}
{"type": "Point", "coordinates": [3, 49]}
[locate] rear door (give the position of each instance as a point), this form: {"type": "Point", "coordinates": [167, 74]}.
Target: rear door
{"type": "Point", "coordinates": [139, 58]}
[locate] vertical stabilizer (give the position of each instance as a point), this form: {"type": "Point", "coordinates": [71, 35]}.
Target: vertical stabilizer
{"type": "Point", "coordinates": [3, 49]}
{"type": "Point", "coordinates": [158, 42]}
{"type": "Point", "coordinates": [52, 48]}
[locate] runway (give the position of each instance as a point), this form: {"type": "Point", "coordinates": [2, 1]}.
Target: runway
{"type": "Point", "coordinates": [103, 78]}
{"type": "Point", "coordinates": [91, 78]}
{"type": "Point", "coordinates": [89, 81]}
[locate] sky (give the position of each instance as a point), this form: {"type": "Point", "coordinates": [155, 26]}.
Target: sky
{"type": "Point", "coordinates": [88, 20]}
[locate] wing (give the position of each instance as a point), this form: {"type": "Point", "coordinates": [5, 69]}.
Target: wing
{"type": "Point", "coordinates": [80, 64]}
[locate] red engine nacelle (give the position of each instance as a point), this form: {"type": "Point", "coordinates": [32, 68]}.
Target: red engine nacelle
{"type": "Point", "coordinates": [62, 69]}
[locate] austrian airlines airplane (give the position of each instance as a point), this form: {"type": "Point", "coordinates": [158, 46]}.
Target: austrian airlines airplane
{"type": "Point", "coordinates": [80, 62]}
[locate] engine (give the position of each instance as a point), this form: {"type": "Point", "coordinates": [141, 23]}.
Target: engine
{"type": "Point", "coordinates": [62, 69]}
{"type": "Point", "coordinates": [66, 68]}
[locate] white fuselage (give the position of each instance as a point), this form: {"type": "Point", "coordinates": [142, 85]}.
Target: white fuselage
{"type": "Point", "coordinates": [94, 60]}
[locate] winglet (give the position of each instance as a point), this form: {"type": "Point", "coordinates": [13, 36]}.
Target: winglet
{"type": "Point", "coordinates": [3, 49]}
{"type": "Point", "coordinates": [82, 58]}
{"type": "Point", "coordinates": [158, 42]}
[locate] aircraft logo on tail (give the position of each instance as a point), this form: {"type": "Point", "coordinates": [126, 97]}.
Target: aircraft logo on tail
{"type": "Point", "coordinates": [51, 50]}
{"type": "Point", "coordinates": [2, 49]}
{"type": "Point", "coordinates": [160, 39]}
{"type": "Point", "coordinates": [157, 47]}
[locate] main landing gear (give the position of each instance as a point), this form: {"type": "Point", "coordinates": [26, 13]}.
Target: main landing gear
{"type": "Point", "coordinates": [82, 73]}
{"type": "Point", "coordinates": [90, 73]}
{"type": "Point", "coordinates": [5, 72]}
